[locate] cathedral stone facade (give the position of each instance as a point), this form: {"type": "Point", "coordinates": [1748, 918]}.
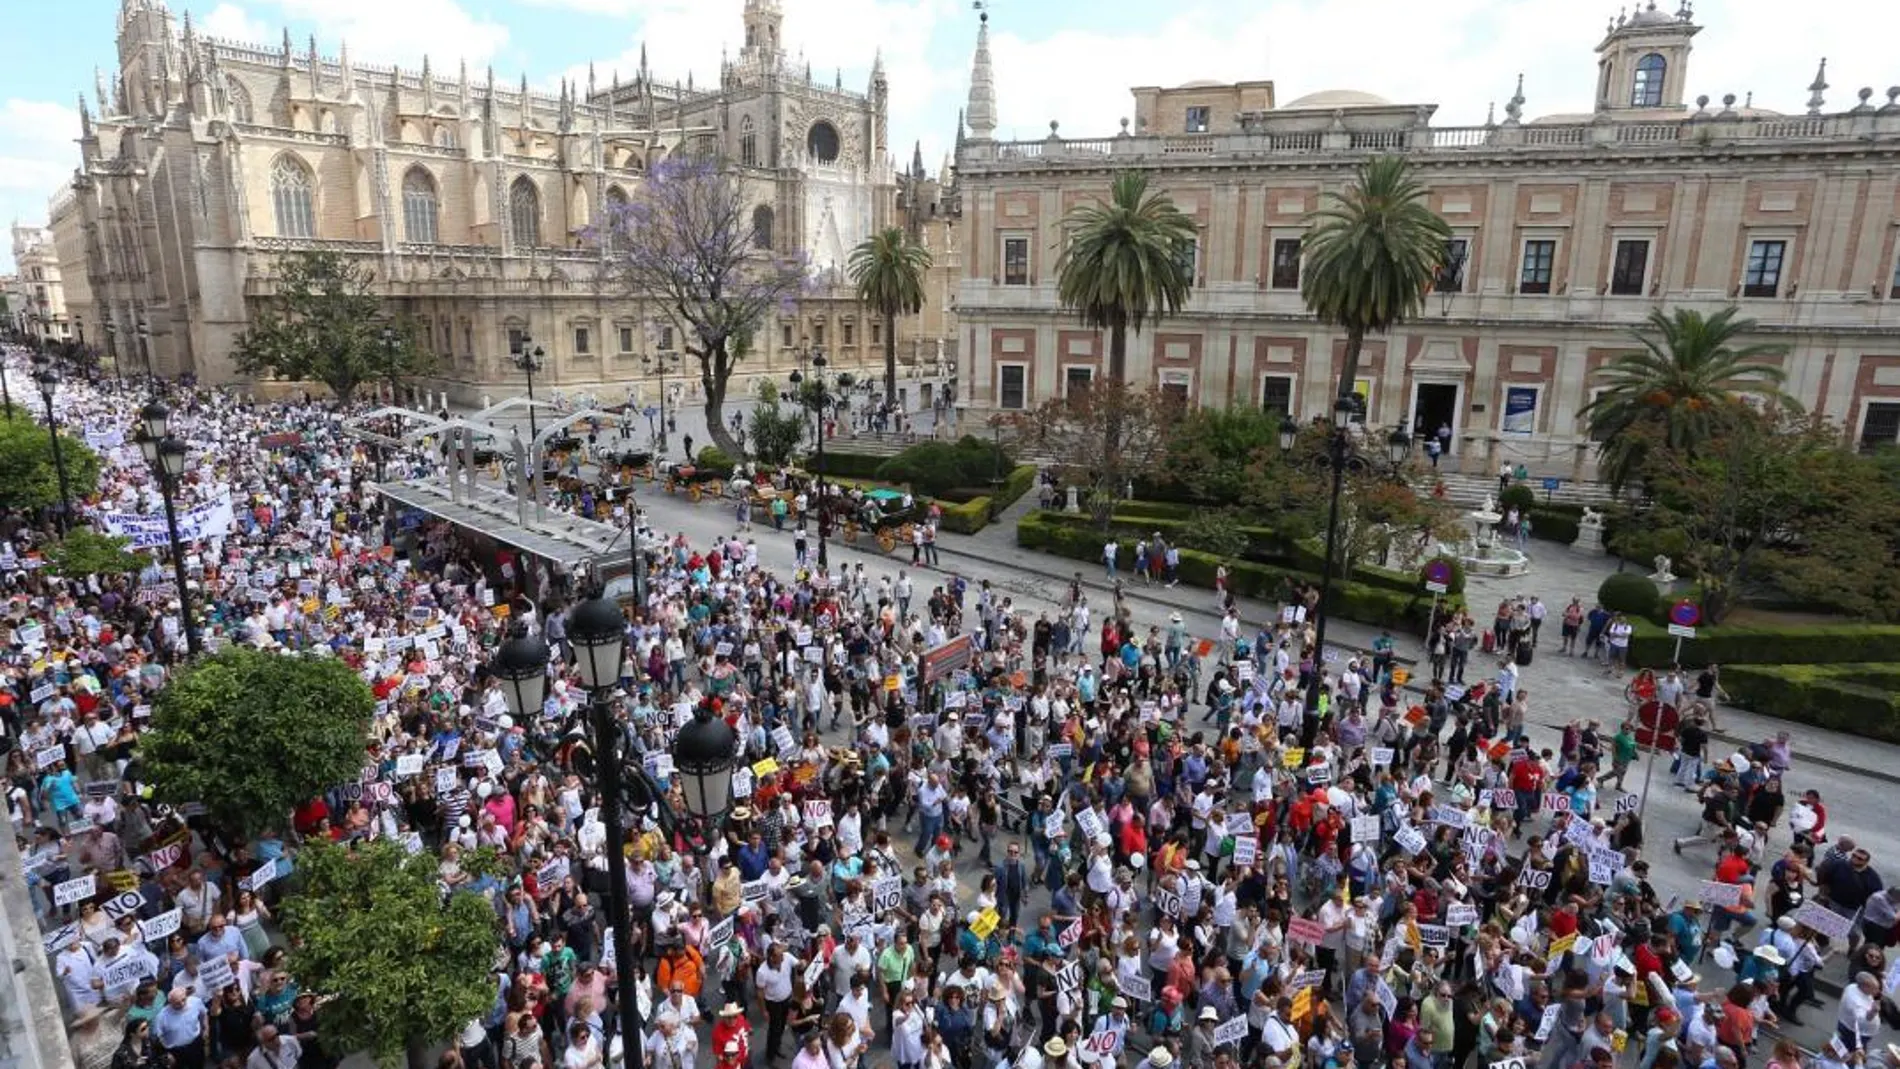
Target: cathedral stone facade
{"type": "Point", "coordinates": [208, 160]}
{"type": "Point", "coordinates": [1567, 231]}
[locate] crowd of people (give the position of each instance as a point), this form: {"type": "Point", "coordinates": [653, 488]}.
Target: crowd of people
{"type": "Point", "coordinates": [966, 834]}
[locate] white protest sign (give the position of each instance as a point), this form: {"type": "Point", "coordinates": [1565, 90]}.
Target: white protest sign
{"type": "Point", "coordinates": [1246, 849]}
{"type": "Point", "coordinates": [261, 878]}
{"type": "Point", "coordinates": [49, 756]}
{"type": "Point", "coordinates": [1365, 829]}
{"type": "Point", "coordinates": [1068, 937]}
{"type": "Point", "coordinates": [1535, 879]}
{"type": "Point", "coordinates": [1548, 1023]}
{"type": "Point", "coordinates": [818, 812]}
{"type": "Point", "coordinates": [215, 975]}
{"type": "Point", "coordinates": [1090, 823]}
{"type": "Point", "coordinates": [1410, 840]}
{"type": "Point", "coordinates": [1230, 1031]}
{"type": "Point", "coordinates": [411, 764]}
{"type": "Point", "coordinates": [1381, 756]}
{"type": "Point", "coordinates": [1458, 915]}
{"type": "Point", "coordinates": [75, 890]}
{"type": "Point", "coordinates": [1136, 987]}
{"type": "Point", "coordinates": [1716, 893]}
{"type": "Point", "coordinates": [1239, 823]}
{"type": "Point", "coordinates": [123, 904]}
{"type": "Point", "coordinates": [1823, 920]}
{"type": "Point", "coordinates": [721, 933]}
{"type": "Point", "coordinates": [887, 892]}
{"type": "Point", "coordinates": [161, 926]}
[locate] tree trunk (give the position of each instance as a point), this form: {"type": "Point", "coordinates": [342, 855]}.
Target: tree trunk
{"type": "Point", "coordinates": [715, 372]}
{"type": "Point", "coordinates": [890, 359]}
{"type": "Point", "coordinates": [1355, 343]}
{"type": "Point", "coordinates": [1117, 372]}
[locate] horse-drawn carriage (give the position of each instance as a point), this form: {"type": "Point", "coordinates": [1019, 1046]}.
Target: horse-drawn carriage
{"type": "Point", "coordinates": [879, 512]}
{"type": "Point", "coordinates": [694, 480]}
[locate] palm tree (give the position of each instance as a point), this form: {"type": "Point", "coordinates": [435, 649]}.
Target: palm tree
{"type": "Point", "coordinates": [1371, 256]}
{"type": "Point", "coordinates": [1129, 261]}
{"type": "Point", "coordinates": [1677, 389]}
{"type": "Point", "coordinates": [888, 269]}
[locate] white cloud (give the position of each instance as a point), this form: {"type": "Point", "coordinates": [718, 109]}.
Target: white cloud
{"type": "Point", "coordinates": [1459, 54]}
{"type": "Point", "coordinates": [37, 156]}
{"type": "Point", "coordinates": [377, 31]}
{"type": "Point", "coordinates": [230, 22]}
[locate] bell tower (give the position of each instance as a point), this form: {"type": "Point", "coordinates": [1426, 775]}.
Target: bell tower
{"type": "Point", "coordinates": [764, 23]}
{"type": "Point", "coordinates": [1643, 61]}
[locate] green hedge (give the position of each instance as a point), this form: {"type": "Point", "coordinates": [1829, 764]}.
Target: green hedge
{"type": "Point", "coordinates": [968, 518]}
{"type": "Point", "coordinates": [1651, 645]}
{"type": "Point", "coordinates": [845, 465]}
{"type": "Point", "coordinates": [1407, 609]}
{"type": "Point", "coordinates": [1830, 696]}
{"type": "Point", "coordinates": [1266, 548]}
{"type": "Point", "coordinates": [1021, 478]}
{"type": "Point", "coordinates": [1554, 525]}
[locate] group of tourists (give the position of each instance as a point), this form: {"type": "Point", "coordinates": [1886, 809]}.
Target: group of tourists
{"type": "Point", "coordinates": [965, 834]}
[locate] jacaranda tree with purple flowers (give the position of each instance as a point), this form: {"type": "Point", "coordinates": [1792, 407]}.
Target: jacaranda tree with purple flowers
{"type": "Point", "coordinates": [685, 239]}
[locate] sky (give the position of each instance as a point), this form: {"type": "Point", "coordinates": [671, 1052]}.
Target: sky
{"type": "Point", "coordinates": [1071, 61]}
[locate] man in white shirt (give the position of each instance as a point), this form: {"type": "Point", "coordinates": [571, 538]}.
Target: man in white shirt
{"type": "Point", "coordinates": [848, 962]}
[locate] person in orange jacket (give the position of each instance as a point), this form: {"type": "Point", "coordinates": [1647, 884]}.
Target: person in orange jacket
{"type": "Point", "coordinates": [682, 965]}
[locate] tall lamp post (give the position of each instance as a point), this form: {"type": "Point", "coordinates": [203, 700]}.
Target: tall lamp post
{"type": "Point", "coordinates": [820, 399]}
{"type": "Point", "coordinates": [660, 362]}
{"type": "Point", "coordinates": [530, 359]}
{"type": "Point", "coordinates": [49, 384]}
{"type": "Point", "coordinates": [1339, 457]}
{"type": "Point", "coordinates": [166, 456]}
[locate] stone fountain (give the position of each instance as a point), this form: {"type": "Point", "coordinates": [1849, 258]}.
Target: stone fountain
{"type": "Point", "coordinates": [1480, 552]}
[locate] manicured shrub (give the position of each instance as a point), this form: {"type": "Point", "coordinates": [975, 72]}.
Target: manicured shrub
{"type": "Point", "coordinates": [1734, 644]}
{"type": "Point", "coordinates": [713, 458]}
{"type": "Point", "coordinates": [1834, 697]}
{"type": "Point", "coordinates": [1553, 525]}
{"type": "Point", "coordinates": [1517, 496]}
{"type": "Point", "coordinates": [1628, 592]}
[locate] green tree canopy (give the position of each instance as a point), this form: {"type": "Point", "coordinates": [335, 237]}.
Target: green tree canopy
{"type": "Point", "coordinates": [1372, 255]}
{"type": "Point", "coordinates": [327, 324]}
{"type": "Point", "coordinates": [85, 551]}
{"type": "Point", "coordinates": [1771, 501]}
{"type": "Point", "coordinates": [1679, 388]}
{"type": "Point", "coordinates": [399, 969]}
{"type": "Point", "coordinates": [888, 269]}
{"type": "Point", "coordinates": [1130, 261]}
{"type": "Point", "coordinates": [252, 734]}
{"type": "Point", "coordinates": [31, 479]}
{"type": "Point", "coordinates": [692, 242]}
{"type": "Point", "coordinates": [1106, 438]}
{"type": "Point", "coordinates": [776, 429]}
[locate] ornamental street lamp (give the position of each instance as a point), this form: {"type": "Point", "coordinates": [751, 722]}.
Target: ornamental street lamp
{"type": "Point", "coordinates": [166, 457]}
{"type": "Point", "coordinates": [530, 358]}
{"type": "Point", "coordinates": [1338, 456]}
{"type": "Point", "coordinates": [661, 362]}
{"type": "Point", "coordinates": [49, 384]}
{"type": "Point", "coordinates": [825, 394]}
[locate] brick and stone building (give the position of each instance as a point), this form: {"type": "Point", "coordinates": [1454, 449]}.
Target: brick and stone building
{"type": "Point", "coordinates": [1568, 230]}
{"type": "Point", "coordinates": [203, 161]}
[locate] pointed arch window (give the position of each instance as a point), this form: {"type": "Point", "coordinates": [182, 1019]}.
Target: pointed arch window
{"type": "Point", "coordinates": [613, 219]}
{"type": "Point", "coordinates": [762, 227]}
{"type": "Point", "coordinates": [421, 207]}
{"type": "Point", "coordinates": [524, 213]}
{"type": "Point", "coordinates": [1647, 90]}
{"type": "Point", "coordinates": [293, 198]}
{"type": "Point", "coordinates": [748, 143]}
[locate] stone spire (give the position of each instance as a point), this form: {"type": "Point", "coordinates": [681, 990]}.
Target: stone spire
{"type": "Point", "coordinates": [316, 68]}
{"type": "Point", "coordinates": [982, 107]}
{"type": "Point", "coordinates": [917, 160]}
{"type": "Point", "coordinates": [590, 83]}
{"type": "Point", "coordinates": [428, 85]}
{"type": "Point", "coordinates": [85, 117]}
{"type": "Point", "coordinates": [1816, 101]}
{"type": "Point", "coordinates": [99, 89]}
{"type": "Point", "coordinates": [287, 52]}
{"type": "Point", "coordinates": [349, 72]}
{"type": "Point", "coordinates": [462, 91]}
{"type": "Point", "coordinates": [524, 104]}
{"type": "Point", "coordinates": [612, 93]}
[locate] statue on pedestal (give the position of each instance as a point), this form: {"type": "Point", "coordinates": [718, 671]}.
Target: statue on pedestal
{"type": "Point", "coordinates": [1662, 574]}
